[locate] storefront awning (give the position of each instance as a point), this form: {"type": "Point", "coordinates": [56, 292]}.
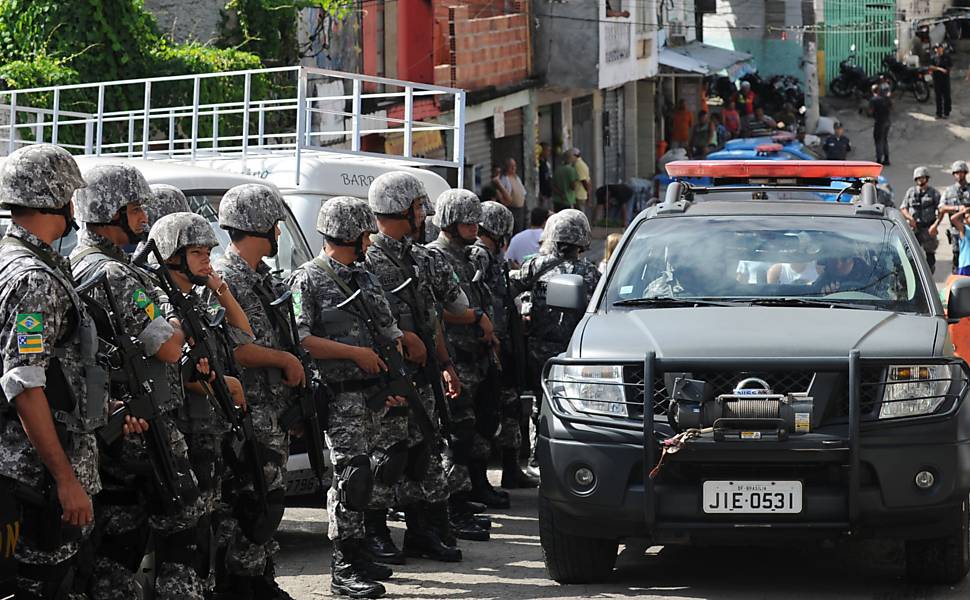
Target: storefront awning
{"type": "Point", "coordinates": [703, 59]}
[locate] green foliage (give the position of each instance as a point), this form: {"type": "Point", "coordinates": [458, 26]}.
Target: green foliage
{"type": "Point", "coordinates": [37, 71]}
{"type": "Point", "coordinates": [268, 28]}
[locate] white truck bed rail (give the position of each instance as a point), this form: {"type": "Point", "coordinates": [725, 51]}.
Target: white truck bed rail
{"type": "Point", "coordinates": [284, 111]}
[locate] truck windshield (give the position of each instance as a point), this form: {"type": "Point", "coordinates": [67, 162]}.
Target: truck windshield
{"type": "Point", "coordinates": [771, 260]}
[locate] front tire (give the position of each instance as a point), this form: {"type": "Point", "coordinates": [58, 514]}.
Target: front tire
{"type": "Point", "coordinates": [572, 558]}
{"type": "Point", "coordinates": [943, 560]}
{"type": "Point", "coordinates": [921, 90]}
{"type": "Point", "coordinates": [840, 88]}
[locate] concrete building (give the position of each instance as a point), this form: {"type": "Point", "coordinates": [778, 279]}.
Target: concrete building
{"type": "Point", "coordinates": [188, 20]}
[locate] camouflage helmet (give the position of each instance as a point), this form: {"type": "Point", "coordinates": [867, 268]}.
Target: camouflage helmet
{"type": "Point", "coordinates": [457, 207]}
{"type": "Point", "coordinates": [568, 226]}
{"type": "Point", "coordinates": [166, 199]}
{"type": "Point", "coordinates": [250, 207]}
{"type": "Point", "coordinates": [110, 188]}
{"type": "Point", "coordinates": [921, 172]}
{"type": "Point", "coordinates": [177, 231]}
{"type": "Point", "coordinates": [959, 166]}
{"type": "Point", "coordinates": [496, 219]}
{"type": "Point", "coordinates": [345, 218]}
{"type": "Point", "coordinates": [395, 192]}
{"type": "Point", "coordinates": [42, 176]}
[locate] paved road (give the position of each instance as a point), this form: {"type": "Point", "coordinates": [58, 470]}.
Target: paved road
{"type": "Point", "coordinates": [510, 566]}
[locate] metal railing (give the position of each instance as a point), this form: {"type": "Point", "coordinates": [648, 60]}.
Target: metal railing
{"type": "Point", "coordinates": [284, 111]}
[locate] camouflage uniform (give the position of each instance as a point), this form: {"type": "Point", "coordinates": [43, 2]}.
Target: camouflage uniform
{"type": "Point", "coordinates": [123, 512]}
{"type": "Point", "coordinates": [204, 428]}
{"type": "Point", "coordinates": [550, 328]}
{"type": "Point", "coordinates": [471, 357]}
{"type": "Point", "coordinates": [46, 340]}
{"type": "Point", "coordinates": [498, 225]}
{"type": "Point", "coordinates": [956, 195]}
{"type": "Point", "coordinates": [255, 208]}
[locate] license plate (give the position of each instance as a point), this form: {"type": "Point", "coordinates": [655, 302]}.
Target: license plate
{"type": "Point", "coordinates": [752, 497]}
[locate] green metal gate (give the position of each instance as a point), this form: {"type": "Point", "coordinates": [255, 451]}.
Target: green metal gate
{"type": "Point", "coordinates": [869, 24]}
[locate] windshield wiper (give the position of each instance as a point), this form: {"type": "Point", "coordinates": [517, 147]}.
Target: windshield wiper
{"type": "Point", "coordinates": [672, 302]}
{"type": "Point", "coordinates": [798, 301]}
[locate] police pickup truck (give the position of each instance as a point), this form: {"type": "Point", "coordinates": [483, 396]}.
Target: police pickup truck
{"type": "Point", "coordinates": [758, 365]}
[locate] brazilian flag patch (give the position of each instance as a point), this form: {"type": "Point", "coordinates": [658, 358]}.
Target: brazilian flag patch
{"type": "Point", "coordinates": [144, 302]}
{"type": "Point", "coordinates": [297, 300]}
{"type": "Point", "coordinates": [30, 322]}
{"type": "Point", "coordinates": [30, 343]}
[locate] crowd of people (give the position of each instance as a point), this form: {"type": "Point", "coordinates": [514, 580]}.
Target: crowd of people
{"type": "Point", "coordinates": [149, 389]}
{"type": "Point", "coordinates": [926, 209]}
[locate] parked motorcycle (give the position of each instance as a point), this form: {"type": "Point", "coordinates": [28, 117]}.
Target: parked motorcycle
{"type": "Point", "coordinates": [904, 77]}
{"type": "Point", "coordinates": [852, 79]}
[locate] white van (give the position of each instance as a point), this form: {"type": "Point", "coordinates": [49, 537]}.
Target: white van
{"type": "Point", "coordinates": [321, 177]}
{"type": "Point", "coordinates": [204, 189]}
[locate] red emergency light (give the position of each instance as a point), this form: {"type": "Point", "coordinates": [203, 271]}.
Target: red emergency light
{"type": "Point", "coordinates": [765, 148]}
{"type": "Point", "coordinates": [798, 169]}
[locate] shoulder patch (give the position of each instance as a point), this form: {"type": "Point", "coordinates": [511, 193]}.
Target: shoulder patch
{"type": "Point", "coordinates": [297, 300]}
{"type": "Point", "coordinates": [30, 343]}
{"type": "Point", "coordinates": [144, 302]}
{"type": "Point", "coordinates": [30, 322]}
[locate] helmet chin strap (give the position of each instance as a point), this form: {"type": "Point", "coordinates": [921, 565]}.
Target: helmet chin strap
{"type": "Point", "coordinates": [183, 267]}
{"type": "Point", "coordinates": [269, 236]}
{"type": "Point", "coordinates": [122, 222]}
{"type": "Point", "coordinates": [453, 231]}
{"type": "Point", "coordinates": [357, 245]}
{"type": "Point", "coordinates": [65, 211]}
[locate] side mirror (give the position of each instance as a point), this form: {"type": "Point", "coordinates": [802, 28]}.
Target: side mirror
{"type": "Point", "coordinates": [568, 292]}
{"type": "Point", "coordinates": [958, 306]}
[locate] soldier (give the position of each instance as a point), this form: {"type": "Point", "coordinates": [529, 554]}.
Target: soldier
{"type": "Point", "coordinates": [111, 209]}
{"type": "Point", "coordinates": [956, 197]}
{"type": "Point", "coordinates": [329, 295]}
{"type": "Point", "coordinates": [400, 203]}
{"type": "Point", "coordinates": [494, 231]}
{"type": "Point", "coordinates": [565, 237]}
{"type": "Point", "coordinates": [56, 394]}
{"type": "Point", "coordinates": [250, 214]}
{"type": "Point", "coordinates": [184, 242]}
{"type": "Point", "coordinates": [472, 340]}
{"type": "Point", "coordinates": [920, 209]}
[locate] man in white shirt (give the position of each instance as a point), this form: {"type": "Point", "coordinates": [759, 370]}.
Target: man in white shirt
{"type": "Point", "coordinates": [515, 191]}
{"type": "Point", "coordinates": [526, 242]}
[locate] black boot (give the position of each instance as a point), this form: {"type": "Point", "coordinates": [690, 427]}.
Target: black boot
{"type": "Point", "coordinates": [378, 545]}
{"type": "Point", "coordinates": [373, 570]}
{"type": "Point", "coordinates": [421, 540]}
{"type": "Point", "coordinates": [347, 579]}
{"type": "Point", "coordinates": [464, 525]}
{"type": "Point", "coordinates": [237, 587]}
{"type": "Point", "coordinates": [438, 517]}
{"type": "Point", "coordinates": [460, 504]}
{"type": "Point", "coordinates": [266, 587]}
{"type": "Point", "coordinates": [482, 490]}
{"type": "Point", "coordinates": [513, 476]}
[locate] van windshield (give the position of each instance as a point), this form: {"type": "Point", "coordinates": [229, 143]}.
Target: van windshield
{"type": "Point", "coordinates": [771, 260]}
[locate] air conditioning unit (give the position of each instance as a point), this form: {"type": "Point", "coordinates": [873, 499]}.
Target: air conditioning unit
{"type": "Point", "coordinates": [677, 32]}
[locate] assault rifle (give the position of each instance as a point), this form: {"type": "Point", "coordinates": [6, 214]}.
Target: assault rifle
{"type": "Point", "coordinates": [143, 386]}
{"type": "Point", "coordinates": [312, 401]}
{"type": "Point", "coordinates": [205, 347]}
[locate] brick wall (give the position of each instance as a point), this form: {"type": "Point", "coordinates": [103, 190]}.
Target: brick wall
{"type": "Point", "coordinates": [483, 51]}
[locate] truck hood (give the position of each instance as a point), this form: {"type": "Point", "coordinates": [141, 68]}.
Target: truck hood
{"type": "Point", "coordinates": [756, 332]}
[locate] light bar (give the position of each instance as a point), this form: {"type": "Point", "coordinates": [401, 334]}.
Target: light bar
{"type": "Point", "coordinates": [768, 148]}
{"type": "Point", "coordinates": [801, 169]}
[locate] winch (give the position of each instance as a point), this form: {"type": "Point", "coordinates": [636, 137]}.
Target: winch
{"type": "Point", "coordinates": [752, 411]}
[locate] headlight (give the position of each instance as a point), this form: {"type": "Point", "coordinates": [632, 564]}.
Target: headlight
{"type": "Point", "coordinates": [913, 390]}
{"type": "Point", "coordinates": [585, 389]}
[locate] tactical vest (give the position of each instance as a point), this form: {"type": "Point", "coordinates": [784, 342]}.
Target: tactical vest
{"type": "Point", "coordinates": [87, 264]}
{"type": "Point", "coordinates": [404, 267]}
{"type": "Point", "coordinates": [346, 326]}
{"type": "Point", "coordinates": [79, 411]}
{"type": "Point", "coordinates": [466, 338]}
